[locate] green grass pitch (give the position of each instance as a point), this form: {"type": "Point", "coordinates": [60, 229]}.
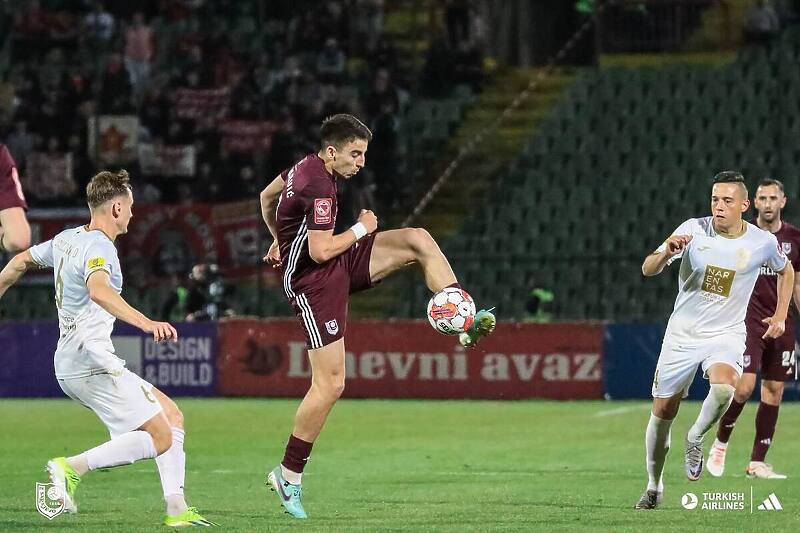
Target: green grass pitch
{"type": "Point", "coordinates": [401, 466]}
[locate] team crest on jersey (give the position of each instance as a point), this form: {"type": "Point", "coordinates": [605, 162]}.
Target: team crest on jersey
{"type": "Point", "coordinates": [95, 262]}
{"type": "Point", "coordinates": [787, 247]}
{"type": "Point", "coordinates": [332, 326]}
{"type": "Point", "coordinates": [322, 210]}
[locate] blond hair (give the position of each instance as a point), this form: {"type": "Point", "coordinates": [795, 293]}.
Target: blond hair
{"type": "Point", "coordinates": [107, 185]}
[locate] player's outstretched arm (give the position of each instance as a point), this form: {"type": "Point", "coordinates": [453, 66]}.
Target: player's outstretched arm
{"type": "Point", "coordinates": [101, 293]}
{"type": "Point", "coordinates": [323, 245]}
{"type": "Point", "coordinates": [655, 262]}
{"type": "Point", "coordinates": [777, 322]}
{"type": "Point", "coordinates": [15, 269]}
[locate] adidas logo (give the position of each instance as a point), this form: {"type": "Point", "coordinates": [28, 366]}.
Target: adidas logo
{"type": "Point", "coordinates": [771, 504]}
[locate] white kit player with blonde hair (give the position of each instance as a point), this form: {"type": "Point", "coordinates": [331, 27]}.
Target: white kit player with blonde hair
{"type": "Point", "coordinates": [142, 421]}
{"type": "Point", "coordinates": [721, 257]}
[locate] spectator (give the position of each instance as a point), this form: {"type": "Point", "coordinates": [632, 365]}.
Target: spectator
{"type": "Point", "coordinates": [139, 50]}
{"type": "Point", "coordinates": [761, 23]}
{"type": "Point", "coordinates": [331, 62]}
{"type": "Point", "coordinates": [99, 24]}
{"type": "Point", "coordinates": [201, 298]}
{"type": "Point", "coordinates": [20, 142]}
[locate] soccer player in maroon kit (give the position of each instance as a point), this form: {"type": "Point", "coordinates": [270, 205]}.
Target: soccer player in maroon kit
{"type": "Point", "coordinates": [320, 270]}
{"type": "Point", "coordinates": [15, 234]}
{"type": "Point", "coordinates": [775, 357]}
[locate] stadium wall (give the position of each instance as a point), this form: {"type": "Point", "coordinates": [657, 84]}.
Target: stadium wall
{"type": "Point", "coordinates": [387, 359]}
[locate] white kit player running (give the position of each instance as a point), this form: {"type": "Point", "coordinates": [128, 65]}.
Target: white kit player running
{"type": "Point", "coordinates": [142, 421]}
{"type": "Point", "coordinates": [721, 257]}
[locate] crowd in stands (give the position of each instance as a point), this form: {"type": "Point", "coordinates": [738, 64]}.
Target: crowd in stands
{"type": "Point", "coordinates": [223, 94]}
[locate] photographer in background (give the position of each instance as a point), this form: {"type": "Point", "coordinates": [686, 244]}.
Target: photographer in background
{"type": "Point", "coordinates": [201, 299]}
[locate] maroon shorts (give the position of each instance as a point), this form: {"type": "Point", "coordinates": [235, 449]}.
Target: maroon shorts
{"type": "Point", "coordinates": [774, 357]}
{"type": "Point", "coordinates": [322, 309]}
{"type": "Point", "coordinates": [11, 191]}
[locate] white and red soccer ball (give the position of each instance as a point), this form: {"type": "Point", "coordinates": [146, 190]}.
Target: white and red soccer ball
{"type": "Point", "coordinates": [451, 311]}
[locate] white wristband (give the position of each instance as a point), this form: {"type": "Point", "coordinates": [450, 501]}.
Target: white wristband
{"type": "Point", "coordinates": [359, 229]}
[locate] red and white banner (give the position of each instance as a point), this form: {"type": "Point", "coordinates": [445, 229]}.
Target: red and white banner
{"type": "Point", "coordinates": [409, 360]}
{"type": "Point", "coordinates": [49, 175]}
{"type": "Point", "coordinates": [167, 160]}
{"type": "Point", "coordinates": [247, 135]}
{"type": "Point", "coordinates": [202, 103]}
{"type": "Point", "coordinates": [113, 138]}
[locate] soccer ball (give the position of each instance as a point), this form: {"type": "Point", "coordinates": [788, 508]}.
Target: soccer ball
{"type": "Point", "coordinates": [451, 311]}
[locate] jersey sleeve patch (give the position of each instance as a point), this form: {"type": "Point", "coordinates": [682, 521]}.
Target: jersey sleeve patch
{"type": "Point", "coordinates": [322, 210]}
{"type": "Point", "coordinates": [95, 262]}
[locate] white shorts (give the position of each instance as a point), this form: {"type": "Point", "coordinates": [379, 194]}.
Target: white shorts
{"type": "Point", "coordinates": [677, 363]}
{"type": "Point", "coordinates": [121, 399]}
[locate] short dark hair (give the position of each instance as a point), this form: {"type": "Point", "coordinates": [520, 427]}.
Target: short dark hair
{"type": "Point", "coordinates": [338, 130]}
{"type": "Point", "coordinates": [107, 185]}
{"type": "Point", "coordinates": [766, 182]}
{"type": "Point", "coordinates": [729, 176]}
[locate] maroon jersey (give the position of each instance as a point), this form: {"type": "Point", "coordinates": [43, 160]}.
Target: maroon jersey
{"type": "Point", "coordinates": [307, 202]}
{"type": "Point", "coordinates": [10, 187]}
{"type": "Point", "coordinates": [765, 293]}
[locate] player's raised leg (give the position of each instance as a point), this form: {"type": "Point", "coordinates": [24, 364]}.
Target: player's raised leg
{"type": "Point", "coordinates": [395, 249]}
{"type": "Point", "coordinates": [716, 456]}
{"type": "Point", "coordinates": [723, 378]}
{"type": "Point", "coordinates": [172, 470]}
{"type": "Point", "coordinates": [766, 421]}
{"type": "Point", "coordinates": [327, 385]}
{"type": "Point", "coordinates": [657, 443]}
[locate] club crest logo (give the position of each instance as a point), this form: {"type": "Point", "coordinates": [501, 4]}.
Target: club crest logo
{"type": "Point", "coordinates": [49, 500]}
{"type": "Point", "coordinates": [322, 210]}
{"type": "Point", "coordinates": [746, 360]}
{"type": "Point", "coordinates": [787, 247]}
{"type": "Point", "coordinates": [332, 326]}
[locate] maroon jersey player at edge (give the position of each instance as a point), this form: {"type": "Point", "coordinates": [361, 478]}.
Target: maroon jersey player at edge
{"type": "Point", "coordinates": [774, 357]}
{"type": "Point", "coordinates": [321, 269]}
{"type": "Point", "coordinates": [15, 234]}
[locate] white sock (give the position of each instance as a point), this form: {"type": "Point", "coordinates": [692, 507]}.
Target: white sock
{"type": "Point", "coordinates": [714, 406]}
{"type": "Point", "coordinates": [172, 469]}
{"type": "Point", "coordinates": [657, 440]}
{"type": "Point", "coordinates": [79, 463]}
{"type": "Point", "coordinates": [291, 476]}
{"type": "Point", "coordinates": [123, 450]}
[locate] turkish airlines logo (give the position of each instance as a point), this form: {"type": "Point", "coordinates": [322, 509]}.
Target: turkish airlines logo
{"type": "Point", "coordinates": [322, 210]}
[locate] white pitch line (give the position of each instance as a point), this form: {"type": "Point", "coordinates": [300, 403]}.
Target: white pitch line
{"type": "Point", "coordinates": [621, 410]}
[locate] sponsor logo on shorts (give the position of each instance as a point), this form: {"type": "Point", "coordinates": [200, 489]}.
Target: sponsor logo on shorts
{"type": "Point", "coordinates": [322, 210]}
{"type": "Point", "coordinates": [332, 326]}
{"type": "Point", "coordinates": [49, 500]}
{"type": "Point", "coordinates": [95, 262]}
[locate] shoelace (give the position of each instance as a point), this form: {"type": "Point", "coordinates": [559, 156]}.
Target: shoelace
{"type": "Point", "coordinates": [695, 454]}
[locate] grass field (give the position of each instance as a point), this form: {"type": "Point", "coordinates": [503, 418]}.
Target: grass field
{"type": "Point", "coordinates": [401, 466]}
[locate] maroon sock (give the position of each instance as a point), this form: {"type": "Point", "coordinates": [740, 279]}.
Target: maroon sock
{"type": "Point", "coordinates": [296, 455]}
{"type": "Point", "coordinates": [728, 420]}
{"type": "Point", "coordinates": [455, 285]}
{"type": "Point", "coordinates": [766, 419]}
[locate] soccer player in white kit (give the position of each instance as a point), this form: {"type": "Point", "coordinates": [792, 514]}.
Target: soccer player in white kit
{"type": "Point", "coordinates": [142, 421]}
{"type": "Point", "coordinates": [721, 257]}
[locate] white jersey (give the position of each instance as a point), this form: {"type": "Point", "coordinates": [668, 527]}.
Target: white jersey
{"type": "Point", "coordinates": [84, 346]}
{"type": "Point", "coordinates": [716, 277]}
